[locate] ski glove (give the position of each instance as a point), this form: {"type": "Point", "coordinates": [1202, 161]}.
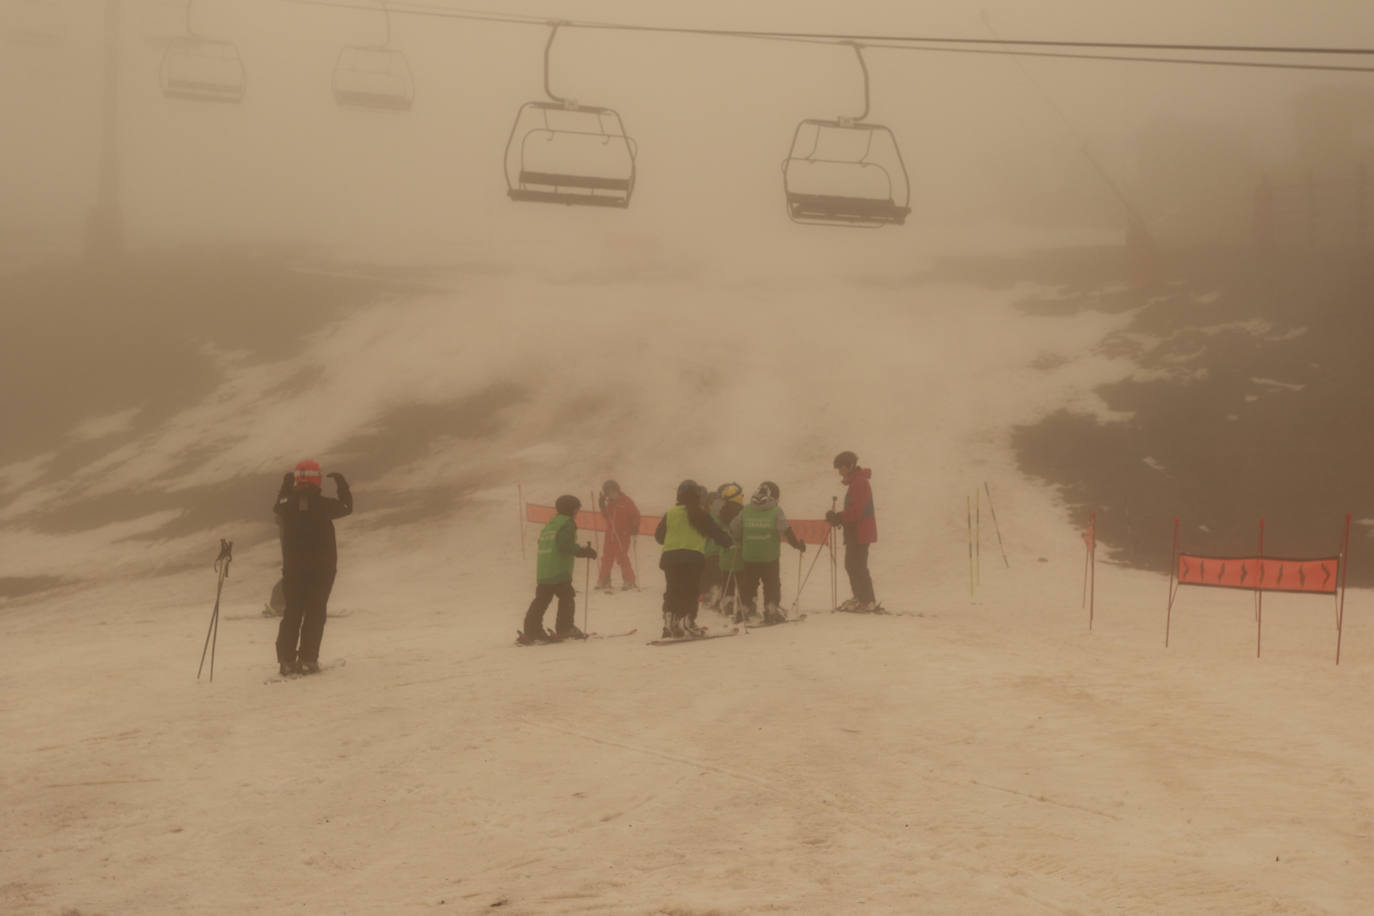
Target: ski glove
{"type": "Point", "coordinates": [834, 518]}
{"type": "Point", "coordinates": [588, 552]}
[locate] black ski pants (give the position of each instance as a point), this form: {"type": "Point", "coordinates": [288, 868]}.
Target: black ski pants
{"type": "Point", "coordinates": [680, 591]}
{"type": "Point", "coordinates": [302, 623]}
{"type": "Point", "coordinates": [856, 564]}
{"type": "Point", "coordinates": [710, 574]}
{"type": "Point", "coordinates": [769, 574]}
{"type": "Point", "coordinates": [543, 597]}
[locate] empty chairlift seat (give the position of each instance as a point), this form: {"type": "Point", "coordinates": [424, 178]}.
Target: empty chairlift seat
{"type": "Point", "coordinates": [374, 78]}
{"type": "Point", "coordinates": [564, 153]}
{"type": "Point", "coordinates": [845, 173]}
{"type": "Point", "coordinates": [202, 70]}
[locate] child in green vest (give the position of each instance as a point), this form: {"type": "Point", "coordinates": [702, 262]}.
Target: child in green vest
{"type": "Point", "coordinates": [558, 549]}
{"type": "Point", "coordinates": [683, 532]}
{"type": "Point", "coordinates": [731, 504]}
{"type": "Point", "coordinates": [760, 529]}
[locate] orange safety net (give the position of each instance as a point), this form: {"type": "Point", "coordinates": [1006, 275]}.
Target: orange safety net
{"type": "Point", "coordinates": [1272, 574]}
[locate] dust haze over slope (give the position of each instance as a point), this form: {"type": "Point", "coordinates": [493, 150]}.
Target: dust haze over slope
{"type": "Point", "coordinates": [369, 273]}
{"type": "Point", "coordinates": [304, 281]}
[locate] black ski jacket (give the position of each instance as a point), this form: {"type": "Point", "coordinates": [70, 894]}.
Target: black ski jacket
{"type": "Point", "coordinates": [306, 519]}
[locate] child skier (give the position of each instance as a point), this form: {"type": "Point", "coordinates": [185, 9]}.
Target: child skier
{"type": "Point", "coordinates": [731, 503]}
{"type": "Point", "coordinates": [761, 527]}
{"type": "Point", "coordinates": [622, 524]}
{"type": "Point", "coordinates": [711, 581]}
{"type": "Point", "coordinates": [558, 549]}
{"type": "Point", "coordinates": [683, 532]}
{"type": "Point", "coordinates": [860, 530]}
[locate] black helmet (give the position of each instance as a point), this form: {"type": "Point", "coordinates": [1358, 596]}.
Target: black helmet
{"type": "Point", "coordinates": [766, 491]}
{"type": "Point", "coordinates": [688, 490]}
{"type": "Point", "coordinates": [846, 460]}
{"type": "Point", "coordinates": [610, 487]}
{"type": "Point", "coordinates": [567, 504]}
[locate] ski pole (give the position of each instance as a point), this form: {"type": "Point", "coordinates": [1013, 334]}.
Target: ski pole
{"type": "Point", "coordinates": [834, 586]}
{"type": "Point", "coordinates": [226, 556]}
{"type": "Point", "coordinates": [803, 582]}
{"type": "Point", "coordinates": [996, 526]}
{"type": "Point", "coordinates": [797, 597]}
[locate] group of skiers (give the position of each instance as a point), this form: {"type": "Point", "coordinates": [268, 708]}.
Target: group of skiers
{"type": "Point", "coordinates": [717, 551]}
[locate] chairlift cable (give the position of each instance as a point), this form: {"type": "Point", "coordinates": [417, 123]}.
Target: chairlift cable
{"type": "Point", "coordinates": [891, 41]}
{"type": "Point", "coordinates": [1123, 58]}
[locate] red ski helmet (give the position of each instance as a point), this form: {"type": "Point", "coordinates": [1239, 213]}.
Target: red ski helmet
{"type": "Point", "coordinates": [308, 474]}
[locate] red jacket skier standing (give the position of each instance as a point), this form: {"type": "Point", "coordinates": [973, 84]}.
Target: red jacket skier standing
{"type": "Point", "coordinates": [622, 524]}
{"type": "Point", "coordinates": [860, 525]}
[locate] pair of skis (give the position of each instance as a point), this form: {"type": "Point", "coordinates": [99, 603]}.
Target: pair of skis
{"type": "Point", "coordinates": [297, 675]}
{"type": "Point", "coordinates": [703, 635]}
{"type": "Point", "coordinates": [551, 638]}
{"type": "Point", "coordinates": [776, 623]}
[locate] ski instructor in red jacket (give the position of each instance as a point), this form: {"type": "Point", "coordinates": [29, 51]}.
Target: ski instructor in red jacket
{"type": "Point", "coordinates": [860, 530]}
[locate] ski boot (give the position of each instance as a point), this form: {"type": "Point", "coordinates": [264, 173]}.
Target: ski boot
{"type": "Point", "coordinates": [851, 605]}
{"type": "Point", "coordinates": [572, 632]}
{"type": "Point", "coordinates": [306, 667]}
{"type": "Point", "coordinates": [772, 614]}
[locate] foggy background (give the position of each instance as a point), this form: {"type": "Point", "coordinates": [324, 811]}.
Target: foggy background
{"type": "Point", "coordinates": [290, 259]}
{"type": "Point", "coordinates": [712, 117]}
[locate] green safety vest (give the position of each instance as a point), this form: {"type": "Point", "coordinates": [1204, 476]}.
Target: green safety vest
{"type": "Point", "coordinates": [680, 534]}
{"type": "Point", "coordinates": [554, 565]}
{"type": "Point", "coordinates": [759, 527]}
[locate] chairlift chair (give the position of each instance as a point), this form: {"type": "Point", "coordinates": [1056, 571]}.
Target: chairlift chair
{"type": "Point", "coordinates": [36, 23]}
{"type": "Point", "coordinates": [378, 79]}
{"type": "Point", "coordinates": [375, 77]}
{"type": "Point", "coordinates": [202, 69]}
{"type": "Point", "coordinates": [846, 172]}
{"type": "Point", "coordinates": [561, 152]}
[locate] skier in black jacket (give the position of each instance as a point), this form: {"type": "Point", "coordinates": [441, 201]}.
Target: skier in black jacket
{"type": "Point", "coordinates": [309, 561]}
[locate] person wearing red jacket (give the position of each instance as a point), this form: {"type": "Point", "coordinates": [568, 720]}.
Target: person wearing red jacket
{"type": "Point", "coordinates": [622, 524]}
{"type": "Point", "coordinates": [860, 530]}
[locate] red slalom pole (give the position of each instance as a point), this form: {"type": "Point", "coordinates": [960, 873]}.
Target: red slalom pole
{"type": "Point", "coordinates": [1173, 570]}
{"type": "Point", "coordinates": [1259, 592]}
{"type": "Point", "coordinates": [1345, 566]}
{"type": "Point", "coordinates": [1092, 564]}
{"type": "Point", "coordinates": [520, 516]}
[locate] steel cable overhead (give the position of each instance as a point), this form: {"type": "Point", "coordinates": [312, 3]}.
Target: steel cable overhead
{"type": "Point", "coordinates": [930, 43]}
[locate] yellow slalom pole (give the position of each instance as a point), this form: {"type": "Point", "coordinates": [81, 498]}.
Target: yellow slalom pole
{"type": "Point", "coordinates": [978, 535]}
{"type": "Point", "coordinates": [968, 509]}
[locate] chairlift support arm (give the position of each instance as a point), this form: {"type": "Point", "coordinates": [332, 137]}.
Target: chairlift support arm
{"type": "Point", "coordinates": [863, 67]}
{"type": "Point", "coordinates": [548, 47]}
{"type": "Point", "coordinates": [386, 12]}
